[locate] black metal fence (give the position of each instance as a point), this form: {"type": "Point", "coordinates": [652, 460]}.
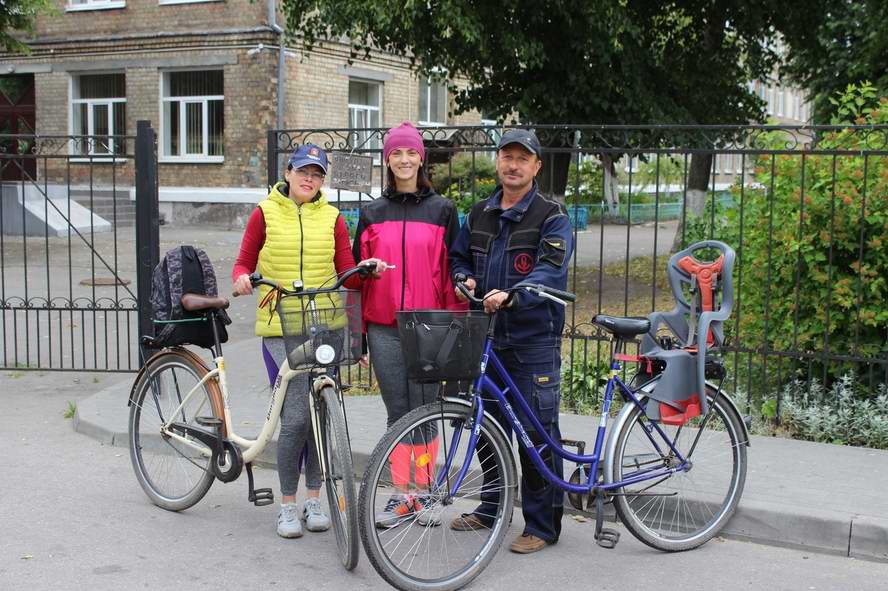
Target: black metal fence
{"type": "Point", "coordinates": [69, 294]}
{"type": "Point", "coordinates": [806, 209]}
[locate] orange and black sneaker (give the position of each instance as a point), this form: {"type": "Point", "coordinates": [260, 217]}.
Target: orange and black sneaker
{"type": "Point", "coordinates": [398, 509]}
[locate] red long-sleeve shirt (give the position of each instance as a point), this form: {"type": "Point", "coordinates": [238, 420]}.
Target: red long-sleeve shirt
{"type": "Point", "coordinates": [254, 239]}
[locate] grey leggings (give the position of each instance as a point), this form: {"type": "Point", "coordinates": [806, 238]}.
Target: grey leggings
{"type": "Point", "coordinates": [399, 394]}
{"type": "Point", "coordinates": [296, 433]}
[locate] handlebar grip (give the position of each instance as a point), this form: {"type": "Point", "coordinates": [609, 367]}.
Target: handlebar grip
{"type": "Point", "coordinates": [564, 295]}
{"type": "Point", "coordinates": [364, 270]}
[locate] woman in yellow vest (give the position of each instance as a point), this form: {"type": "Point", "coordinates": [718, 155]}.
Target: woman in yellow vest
{"type": "Point", "coordinates": [294, 234]}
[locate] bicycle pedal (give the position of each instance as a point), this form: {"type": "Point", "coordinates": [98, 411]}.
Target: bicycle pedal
{"type": "Point", "coordinates": [262, 497]}
{"type": "Point", "coordinates": [208, 421]}
{"type": "Point", "coordinates": [608, 538]}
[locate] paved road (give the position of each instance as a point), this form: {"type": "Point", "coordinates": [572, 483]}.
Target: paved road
{"type": "Point", "coordinates": [73, 517]}
{"type": "Point", "coordinates": [591, 252]}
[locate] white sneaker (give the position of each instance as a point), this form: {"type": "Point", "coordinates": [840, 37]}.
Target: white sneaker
{"type": "Point", "coordinates": [289, 524]}
{"type": "Point", "coordinates": [315, 519]}
{"type": "Point", "coordinates": [430, 513]}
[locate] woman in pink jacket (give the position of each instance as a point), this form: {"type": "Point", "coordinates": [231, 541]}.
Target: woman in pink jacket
{"type": "Point", "coordinates": [410, 228]}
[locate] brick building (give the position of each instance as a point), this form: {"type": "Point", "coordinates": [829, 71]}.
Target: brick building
{"type": "Point", "coordinates": [205, 73]}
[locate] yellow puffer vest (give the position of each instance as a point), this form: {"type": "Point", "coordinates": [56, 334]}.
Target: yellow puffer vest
{"type": "Point", "coordinates": [299, 244]}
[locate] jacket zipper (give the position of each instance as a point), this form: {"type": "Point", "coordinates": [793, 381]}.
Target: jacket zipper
{"type": "Point", "coordinates": [404, 253]}
{"type": "Point", "coordinates": [301, 242]}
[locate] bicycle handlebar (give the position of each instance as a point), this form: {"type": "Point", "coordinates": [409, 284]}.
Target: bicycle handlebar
{"type": "Point", "coordinates": [362, 270]}
{"type": "Point", "coordinates": [550, 293]}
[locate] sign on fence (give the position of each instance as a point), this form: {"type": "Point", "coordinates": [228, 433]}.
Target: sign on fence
{"type": "Point", "coordinates": [351, 172]}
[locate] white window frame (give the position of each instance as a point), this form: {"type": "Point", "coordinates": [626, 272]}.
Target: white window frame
{"type": "Point", "coordinates": [162, 2]}
{"type": "Point", "coordinates": [90, 118]}
{"type": "Point", "coordinates": [95, 5]}
{"type": "Point", "coordinates": [183, 101]}
{"type": "Point", "coordinates": [355, 108]}
{"type": "Point", "coordinates": [430, 82]}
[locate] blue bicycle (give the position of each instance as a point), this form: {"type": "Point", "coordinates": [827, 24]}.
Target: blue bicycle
{"type": "Point", "coordinates": [674, 463]}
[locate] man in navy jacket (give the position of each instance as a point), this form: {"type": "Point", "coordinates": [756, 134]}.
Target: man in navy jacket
{"type": "Point", "coordinates": [520, 235]}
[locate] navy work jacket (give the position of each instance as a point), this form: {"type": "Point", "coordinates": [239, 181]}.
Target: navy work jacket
{"type": "Point", "coordinates": [531, 241]}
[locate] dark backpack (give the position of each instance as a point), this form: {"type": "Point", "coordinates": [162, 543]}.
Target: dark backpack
{"type": "Point", "coordinates": [184, 269]}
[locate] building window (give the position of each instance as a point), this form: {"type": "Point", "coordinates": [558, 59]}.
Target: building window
{"type": "Point", "coordinates": [364, 103]}
{"type": "Point", "coordinates": [432, 102]}
{"type": "Point", "coordinates": [193, 120]}
{"type": "Point", "coordinates": [94, 4]}
{"type": "Point", "coordinates": [98, 110]}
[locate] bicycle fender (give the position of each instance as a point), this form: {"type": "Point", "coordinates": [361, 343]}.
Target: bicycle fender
{"type": "Point", "coordinates": [610, 448]}
{"type": "Point", "coordinates": [514, 471]}
{"type": "Point", "coordinates": [216, 401]}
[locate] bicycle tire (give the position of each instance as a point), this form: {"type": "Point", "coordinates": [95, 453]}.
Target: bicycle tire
{"type": "Point", "coordinates": [157, 459]}
{"type": "Point", "coordinates": [711, 489]}
{"type": "Point", "coordinates": [377, 542]}
{"type": "Point", "coordinates": [340, 497]}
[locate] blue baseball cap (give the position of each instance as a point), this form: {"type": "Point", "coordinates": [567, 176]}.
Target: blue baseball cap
{"type": "Point", "coordinates": [308, 154]}
{"type": "Point", "coordinates": [524, 137]}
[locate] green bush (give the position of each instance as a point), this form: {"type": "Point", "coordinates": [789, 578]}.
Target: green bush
{"type": "Point", "coordinates": [847, 413]}
{"type": "Point", "coordinates": [462, 170]}
{"type": "Point", "coordinates": [801, 251]}
{"type": "Point", "coordinates": [582, 385]}
{"type": "Point", "coordinates": [584, 185]}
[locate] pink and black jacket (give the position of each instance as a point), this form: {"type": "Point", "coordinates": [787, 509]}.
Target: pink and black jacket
{"type": "Point", "coordinates": [414, 232]}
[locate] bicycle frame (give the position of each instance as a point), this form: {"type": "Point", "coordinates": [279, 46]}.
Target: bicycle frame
{"type": "Point", "coordinates": [251, 447]}
{"type": "Point", "coordinates": [484, 383]}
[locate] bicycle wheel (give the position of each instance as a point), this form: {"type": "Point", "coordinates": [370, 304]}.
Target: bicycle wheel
{"type": "Point", "coordinates": [686, 509]}
{"type": "Point", "coordinates": [406, 530]}
{"type": "Point", "coordinates": [340, 481]}
{"type": "Point", "coordinates": [173, 474]}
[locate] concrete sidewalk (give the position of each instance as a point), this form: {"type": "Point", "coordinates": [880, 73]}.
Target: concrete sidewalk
{"type": "Point", "coordinates": [822, 497]}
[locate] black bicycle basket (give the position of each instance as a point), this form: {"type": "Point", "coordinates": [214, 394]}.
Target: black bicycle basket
{"type": "Point", "coordinates": [311, 331]}
{"type": "Point", "coordinates": [442, 345]}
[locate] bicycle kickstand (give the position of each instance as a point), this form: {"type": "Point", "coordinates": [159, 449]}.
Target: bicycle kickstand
{"type": "Point", "coordinates": [258, 496]}
{"type": "Point", "coordinates": [606, 537]}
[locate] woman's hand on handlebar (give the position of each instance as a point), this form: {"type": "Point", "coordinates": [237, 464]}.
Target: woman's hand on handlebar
{"type": "Point", "coordinates": [242, 286]}
{"type": "Point", "coordinates": [379, 264]}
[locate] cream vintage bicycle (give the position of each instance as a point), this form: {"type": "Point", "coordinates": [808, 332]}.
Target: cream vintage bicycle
{"type": "Point", "coordinates": [180, 428]}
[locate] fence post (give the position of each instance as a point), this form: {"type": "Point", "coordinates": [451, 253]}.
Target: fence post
{"type": "Point", "coordinates": [272, 158]}
{"type": "Point", "coordinates": [147, 221]}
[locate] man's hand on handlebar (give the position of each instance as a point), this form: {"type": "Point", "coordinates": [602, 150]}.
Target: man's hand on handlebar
{"type": "Point", "coordinates": [242, 286]}
{"type": "Point", "coordinates": [494, 300]}
{"type": "Point", "coordinates": [470, 285]}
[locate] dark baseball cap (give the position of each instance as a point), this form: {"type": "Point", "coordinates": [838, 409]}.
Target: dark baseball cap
{"type": "Point", "coordinates": [308, 154]}
{"type": "Point", "coordinates": [525, 137]}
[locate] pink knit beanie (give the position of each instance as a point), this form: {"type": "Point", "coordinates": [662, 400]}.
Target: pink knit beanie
{"type": "Point", "coordinates": [403, 136]}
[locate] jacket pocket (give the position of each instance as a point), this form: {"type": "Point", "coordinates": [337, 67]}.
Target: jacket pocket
{"type": "Point", "coordinates": [546, 396]}
{"type": "Point", "coordinates": [554, 251]}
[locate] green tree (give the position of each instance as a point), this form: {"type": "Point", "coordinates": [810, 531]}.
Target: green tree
{"type": "Point", "coordinates": [19, 16]}
{"type": "Point", "coordinates": [561, 61]}
{"type": "Point", "coordinates": [834, 43]}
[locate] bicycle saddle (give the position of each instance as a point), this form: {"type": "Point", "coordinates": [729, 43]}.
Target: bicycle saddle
{"type": "Point", "coordinates": [625, 328]}
{"type": "Point", "coordinates": [195, 302]}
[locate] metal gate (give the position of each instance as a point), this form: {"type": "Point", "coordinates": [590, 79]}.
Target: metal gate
{"type": "Point", "coordinates": [79, 240]}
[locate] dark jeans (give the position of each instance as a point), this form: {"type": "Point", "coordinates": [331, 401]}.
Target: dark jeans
{"type": "Point", "coordinates": [537, 374]}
